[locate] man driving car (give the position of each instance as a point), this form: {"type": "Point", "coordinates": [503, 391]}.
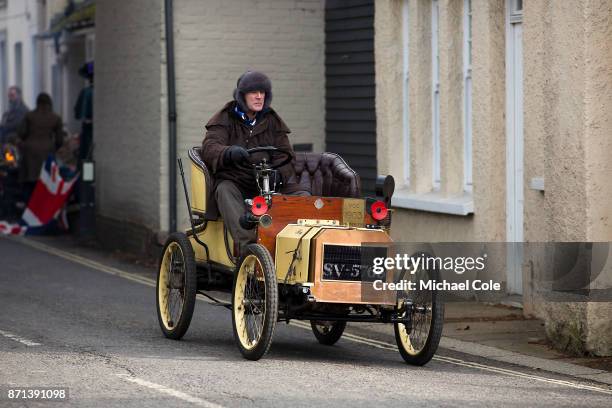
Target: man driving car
{"type": "Point", "coordinates": [246, 122]}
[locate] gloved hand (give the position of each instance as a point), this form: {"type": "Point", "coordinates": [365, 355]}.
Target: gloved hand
{"type": "Point", "coordinates": [235, 154]}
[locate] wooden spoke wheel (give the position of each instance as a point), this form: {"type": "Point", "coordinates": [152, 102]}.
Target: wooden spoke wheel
{"type": "Point", "coordinates": [176, 286]}
{"type": "Point", "coordinates": [255, 302]}
{"type": "Point", "coordinates": [418, 344]}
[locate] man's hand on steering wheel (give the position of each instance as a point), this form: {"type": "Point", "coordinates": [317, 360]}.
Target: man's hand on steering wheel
{"type": "Point", "coordinates": [271, 150]}
{"type": "Point", "coordinates": [239, 156]}
{"type": "Point", "coordinates": [235, 155]}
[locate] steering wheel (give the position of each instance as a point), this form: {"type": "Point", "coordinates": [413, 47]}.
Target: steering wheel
{"type": "Point", "coordinates": [271, 149]}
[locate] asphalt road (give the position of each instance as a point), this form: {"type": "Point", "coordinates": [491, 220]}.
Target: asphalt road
{"type": "Point", "coordinates": [64, 324]}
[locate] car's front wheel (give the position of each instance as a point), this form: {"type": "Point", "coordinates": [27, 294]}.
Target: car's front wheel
{"type": "Point", "coordinates": [255, 302]}
{"type": "Point", "coordinates": [418, 341]}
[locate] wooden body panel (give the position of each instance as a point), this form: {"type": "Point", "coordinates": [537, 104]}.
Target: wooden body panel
{"type": "Point", "coordinates": [288, 209]}
{"type": "Point", "coordinates": [328, 291]}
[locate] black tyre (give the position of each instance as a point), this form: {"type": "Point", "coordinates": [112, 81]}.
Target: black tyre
{"type": "Point", "coordinates": [176, 286]}
{"type": "Point", "coordinates": [328, 333]}
{"type": "Point", "coordinates": [419, 344]}
{"type": "Point", "coordinates": [255, 302]}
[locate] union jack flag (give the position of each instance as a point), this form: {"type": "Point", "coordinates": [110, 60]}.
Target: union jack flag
{"type": "Point", "coordinates": [45, 210]}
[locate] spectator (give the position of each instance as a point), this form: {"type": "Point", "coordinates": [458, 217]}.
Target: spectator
{"type": "Point", "coordinates": [13, 116]}
{"type": "Point", "coordinates": [40, 134]}
{"type": "Point", "coordinates": [83, 111]}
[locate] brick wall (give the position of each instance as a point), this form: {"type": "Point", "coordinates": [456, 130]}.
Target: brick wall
{"type": "Point", "coordinates": [216, 41]}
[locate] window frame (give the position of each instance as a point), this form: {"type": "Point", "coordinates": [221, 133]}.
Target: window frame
{"type": "Point", "coordinates": [18, 64]}
{"type": "Point", "coordinates": [435, 95]}
{"type": "Point", "coordinates": [406, 88]}
{"type": "Point", "coordinates": [516, 13]}
{"type": "Point", "coordinates": [467, 96]}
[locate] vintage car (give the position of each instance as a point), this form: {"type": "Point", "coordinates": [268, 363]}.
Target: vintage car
{"type": "Point", "coordinates": [312, 260]}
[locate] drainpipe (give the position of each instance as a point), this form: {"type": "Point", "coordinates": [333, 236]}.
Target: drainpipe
{"type": "Point", "coordinates": [171, 113]}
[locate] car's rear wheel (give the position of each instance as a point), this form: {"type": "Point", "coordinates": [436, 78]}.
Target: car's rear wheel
{"type": "Point", "coordinates": [176, 286]}
{"type": "Point", "coordinates": [418, 343]}
{"type": "Point", "coordinates": [255, 302]}
{"type": "Point", "coordinates": [327, 333]}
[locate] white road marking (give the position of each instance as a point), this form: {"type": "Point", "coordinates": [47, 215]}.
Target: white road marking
{"type": "Point", "coordinates": [98, 266]}
{"type": "Point", "coordinates": [352, 337]}
{"type": "Point", "coordinates": [87, 262]}
{"type": "Point", "coordinates": [19, 339]}
{"type": "Point", "coordinates": [456, 361]}
{"type": "Point", "coordinates": [170, 391]}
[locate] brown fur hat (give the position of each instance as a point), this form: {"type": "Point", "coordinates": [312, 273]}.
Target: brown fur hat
{"type": "Point", "coordinates": [253, 81]}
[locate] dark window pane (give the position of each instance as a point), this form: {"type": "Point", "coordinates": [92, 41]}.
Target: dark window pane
{"type": "Point", "coordinates": [519, 5]}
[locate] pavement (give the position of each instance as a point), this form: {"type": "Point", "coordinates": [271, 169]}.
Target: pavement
{"type": "Point", "coordinates": [82, 317]}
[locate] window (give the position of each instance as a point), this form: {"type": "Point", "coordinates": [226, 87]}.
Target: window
{"type": "Point", "coordinates": [56, 87]}
{"type": "Point", "coordinates": [426, 192]}
{"type": "Point", "coordinates": [467, 95]}
{"type": "Point", "coordinates": [516, 11]}
{"type": "Point", "coordinates": [406, 89]}
{"type": "Point", "coordinates": [435, 77]}
{"type": "Point", "coordinates": [37, 68]}
{"type": "Point", "coordinates": [19, 65]}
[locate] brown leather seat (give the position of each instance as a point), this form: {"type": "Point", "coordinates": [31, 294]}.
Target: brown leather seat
{"type": "Point", "coordinates": [326, 174]}
{"type": "Point", "coordinates": [322, 174]}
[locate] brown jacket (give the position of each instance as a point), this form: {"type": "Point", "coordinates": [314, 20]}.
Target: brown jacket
{"type": "Point", "coordinates": [40, 134]}
{"type": "Point", "coordinates": [224, 129]}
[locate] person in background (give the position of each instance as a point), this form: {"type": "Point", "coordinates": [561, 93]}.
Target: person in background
{"type": "Point", "coordinates": [83, 111]}
{"type": "Point", "coordinates": [11, 119]}
{"type": "Point", "coordinates": [40, 134]}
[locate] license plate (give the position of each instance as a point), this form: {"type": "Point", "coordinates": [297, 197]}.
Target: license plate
{"type": "Point", "coordinates": [351, 263]}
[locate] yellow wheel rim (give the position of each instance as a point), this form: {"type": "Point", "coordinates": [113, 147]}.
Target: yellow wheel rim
{"type": "Point", "coordinates": [171, 286]}
{"type": "Point", "coordinates": [250, 302]}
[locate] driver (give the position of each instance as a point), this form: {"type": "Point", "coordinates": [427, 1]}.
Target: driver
{"type": "Point", "coordinates": [246, 122]}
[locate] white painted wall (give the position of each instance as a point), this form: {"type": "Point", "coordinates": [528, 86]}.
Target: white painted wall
{"type": "Point", "coordinates": [128, 103]}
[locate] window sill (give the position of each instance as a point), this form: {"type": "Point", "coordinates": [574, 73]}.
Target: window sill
{"type": "Point", "coordinates": [434, 202]}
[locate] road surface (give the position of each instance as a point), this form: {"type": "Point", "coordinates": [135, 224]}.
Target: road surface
{"type": "Point", "coordinates": [93, 329]}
